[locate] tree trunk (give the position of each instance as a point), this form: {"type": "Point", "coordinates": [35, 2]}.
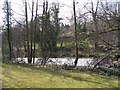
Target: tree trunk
{"type": "Point", "coordinates": [76, 39]}
{"type": "Point", "coordinates": [34, 51]}
{"type": "Point", "coordinates": [118, 56]}
{"type": "Point", "coordinates": [31, 54]}
{"type": "Point", "coordinates": [43, 34]}
{"type": "Point", "coordinates": [27, 32]}
{"type": "Point", "coordinates": [8, 30]}
{"type": "Point", "coordinates": [95, 20]}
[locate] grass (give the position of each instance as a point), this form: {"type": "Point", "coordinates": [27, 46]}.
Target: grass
{"type": "Point", "coordinates": [66, 44]}
{"type": "Point", "coordinates": [72, 44]}
{"type": "Point", "coordinates": [15, 76]}
{"type": "Point", "coordinates": [0, 73]}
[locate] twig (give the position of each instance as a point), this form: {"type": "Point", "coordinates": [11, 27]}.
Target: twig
{"type": "Point", "coordinates": [18, 22]}
{"type": "Point", "coordinates": [109, 43]}
{"type": "Point", "coordinates": [110, 30]}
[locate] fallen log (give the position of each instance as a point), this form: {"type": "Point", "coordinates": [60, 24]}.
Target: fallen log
{"type": "Point", "coordinates": [105, 57]}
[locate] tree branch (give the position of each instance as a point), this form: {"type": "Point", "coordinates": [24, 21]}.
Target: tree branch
{"type": "Point", "coordinates": [109, 43]}
{"type": "Point", "coordinates": [105, 57]}
{"type": "Point", "coordinates": [110, 30]}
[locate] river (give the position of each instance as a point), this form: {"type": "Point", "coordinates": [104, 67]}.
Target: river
{"type": "Point", "coordinates": [61, 61]}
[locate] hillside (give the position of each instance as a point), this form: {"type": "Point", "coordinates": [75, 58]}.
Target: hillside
{"type": "Point", "coordinates": [15, 76]}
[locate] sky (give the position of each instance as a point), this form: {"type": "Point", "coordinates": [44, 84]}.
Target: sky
{"type": "Point", "coordinates": [66, 9]}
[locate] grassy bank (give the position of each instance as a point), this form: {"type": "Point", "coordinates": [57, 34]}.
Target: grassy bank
{"type": "Point", "coordinates": [15, 76]}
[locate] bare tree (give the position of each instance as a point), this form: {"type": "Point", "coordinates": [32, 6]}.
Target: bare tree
{"type": "Point", "coordinates": [36, 24]}
{"type": "Point", "coordinates": [111, 18]}
{"type": "Point", "coordinates": [95, 21]}
{"type": "Point", "coordinates": [76, 34]}
{"type": "Point", "coordinates": [119, 29]}
{"type": "Point", "coordinates": [27, 32]}
{"type": "Point", "coordinates": [8, 9]}
{"type": "Point", "coordinates": [31, 28]}
{"type": "Point", "coordinates": [43, 33]}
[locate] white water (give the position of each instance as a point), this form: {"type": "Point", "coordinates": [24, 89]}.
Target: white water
{"type": "Point", "coordinates": [61, 61]}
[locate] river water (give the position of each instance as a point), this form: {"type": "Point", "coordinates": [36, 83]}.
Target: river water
{"type": "Point", "coordinates": [61, 61]}
{"type": "Point", "coordinates": [70, 61]}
